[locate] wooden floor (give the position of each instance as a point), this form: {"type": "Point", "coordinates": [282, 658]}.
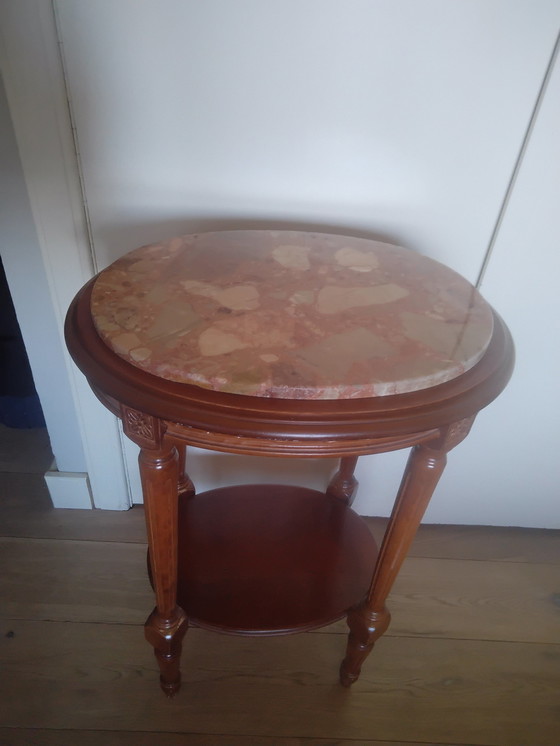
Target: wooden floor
{"type": "Point", "coordinates": [472, 655]}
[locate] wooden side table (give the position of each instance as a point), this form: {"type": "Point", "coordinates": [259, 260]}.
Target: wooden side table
{"type": "Point", "coordinates": [283, 344]}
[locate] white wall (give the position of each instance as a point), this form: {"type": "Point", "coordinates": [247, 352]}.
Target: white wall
{"type": "Point", "coordinates": [379, 117]}
{"type": "Point", "coordinates": [398, 117]}
{"type": "Point", "coordinates": [522, 282]}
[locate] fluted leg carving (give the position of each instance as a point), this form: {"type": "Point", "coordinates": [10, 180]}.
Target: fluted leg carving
{"type": "Point", "coordinates": [167, 624]}
{"type": "Point", "coordinates": [370, 620]}
{"type": "Point", "coordinates": [344, 485]}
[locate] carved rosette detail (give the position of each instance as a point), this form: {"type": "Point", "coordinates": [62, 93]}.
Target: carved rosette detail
{"type": "Point", "coordinates": [142, 428]}
{"type": "Point", "coordinates": [140, 424]}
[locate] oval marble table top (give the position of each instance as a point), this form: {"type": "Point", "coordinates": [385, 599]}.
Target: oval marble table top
{"type": "Point", "coordinates": [291, 315]}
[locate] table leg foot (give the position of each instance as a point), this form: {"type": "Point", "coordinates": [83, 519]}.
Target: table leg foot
{"type": "Point", "coordinates": [366, 627]}
{"type": "Point", "coordinates": [166, 636]}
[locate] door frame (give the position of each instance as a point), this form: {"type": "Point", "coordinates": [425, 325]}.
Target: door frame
{"type": "Point", "coordinates": [37, 99]}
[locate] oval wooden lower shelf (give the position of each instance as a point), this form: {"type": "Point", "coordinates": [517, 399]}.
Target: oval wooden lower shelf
{"type": "Point", "coordinates": [270, 559]}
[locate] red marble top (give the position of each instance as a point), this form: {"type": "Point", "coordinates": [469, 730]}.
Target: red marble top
{"type": "Point", "coordinates": [291, 315]}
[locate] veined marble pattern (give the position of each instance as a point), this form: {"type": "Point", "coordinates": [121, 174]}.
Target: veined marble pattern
{"type": "Point", "coordinates": [291, 315]}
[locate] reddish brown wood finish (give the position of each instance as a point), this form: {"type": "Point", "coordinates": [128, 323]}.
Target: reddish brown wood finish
{"type": "Point", "coordinates": [284, 427]}
{"type": "Point", "coordinates": [344, 485]}
{"type": "Point", "coordinates": [162, 416]}
{"type": "Point", "coordinates": [371, 618]}
{"type": "Point", "coordinates": [167, 624]}
{"type": "Point", "coordinates": [270, 559]}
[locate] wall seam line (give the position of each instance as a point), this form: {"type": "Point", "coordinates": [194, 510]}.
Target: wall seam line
{"type": "Point", "coordinates": [74, 132]}
{"type": "Point", "coordinates": [518, 161]}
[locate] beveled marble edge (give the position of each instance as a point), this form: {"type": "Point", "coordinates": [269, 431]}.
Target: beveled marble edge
{"type": "Point", "coordinates": [292, 261]}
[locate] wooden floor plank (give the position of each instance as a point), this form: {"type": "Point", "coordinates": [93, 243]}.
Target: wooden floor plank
{"type": "Point", "coordinates": [84, 581]}
{"type": "Point", "coordinates": [26, 511]}
{"type": "Point", "coordinates": [40, 737]}
{"type": "Point", "coordinates": [80, 676]}
{"type": "Point", "coordinates": [65, 682]}
{"type": "Point", "coordinates": [507, 544]}
{"type": "Point", "coordinates": [478, 600]}
{"type": "Point", "coordinates": [25, 450]}
{"type": "Point", "coordinates": [74, 581]}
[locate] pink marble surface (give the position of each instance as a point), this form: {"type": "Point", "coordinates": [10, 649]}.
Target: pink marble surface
{"type": "Point", "coordinates": [291, 315]}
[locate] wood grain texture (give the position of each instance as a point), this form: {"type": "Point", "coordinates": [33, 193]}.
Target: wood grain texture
{"type": "Point", "coordinates": [40, 737]}
{"type": "Point", "coordinates": [508, 544]}
{"type": "Point", "coordinates": [262, 560]}
{"type": "Point", "coordinates": [73, 682]}
{"type": "Point", "coordinates": [370, 619]}
{"type": "Point", "coordinates": [84, 581]}
{"type": "Point", "coordinates": [473, 599]}
{"type": "Point", "coordinates": [74, 581]}
{"type": "Point", "coordinates": [83, 676]}
{"type": "Point", "coordinates": [159, 470]}
{"type": "Point", "coordinates": [26, 510]}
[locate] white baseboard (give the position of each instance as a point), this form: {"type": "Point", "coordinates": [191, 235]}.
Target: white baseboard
{"type": "Point", "coordinates": [69, 489]}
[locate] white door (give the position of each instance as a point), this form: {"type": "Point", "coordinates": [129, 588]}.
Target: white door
{"type": "Point", "coordinates": [47, 255]}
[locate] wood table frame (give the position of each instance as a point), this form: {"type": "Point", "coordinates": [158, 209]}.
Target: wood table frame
{"type": "Point", "coordinates": [164, 417]}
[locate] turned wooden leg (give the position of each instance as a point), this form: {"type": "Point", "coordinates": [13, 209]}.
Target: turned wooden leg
{"type": "Point", "coordinates": [370, 620]}
{"type": "Point", "coordinates": [344, 485]}
{"type": "Point", "coordinates": [186, 486]}
{"type": "Point", "coordinates": [167, 624]}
